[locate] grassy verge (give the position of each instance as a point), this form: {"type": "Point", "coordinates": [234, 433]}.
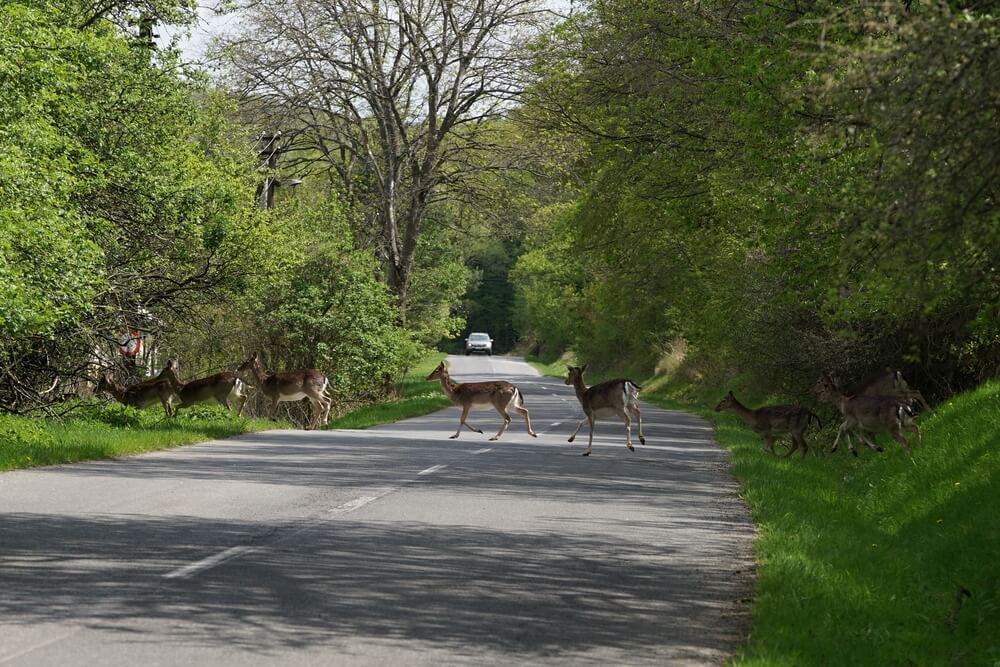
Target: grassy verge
{"type": "Point", "coordinates": [880, 559]}
{"type": "Point", "coordinates": [100, 431]}
{"type": "Point", "coordinates": [416, 397]}
{"type": "Point", "coordinates": [552, 367]}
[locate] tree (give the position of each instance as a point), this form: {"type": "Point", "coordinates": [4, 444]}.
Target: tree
{"type": "Point", "coordinates": [394, 97]}
{"type": "Point", "coordinates": [125, 197]}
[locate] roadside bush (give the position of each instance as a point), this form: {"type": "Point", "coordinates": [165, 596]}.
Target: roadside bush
{"type": "Point", "coordinates": [19, 432]}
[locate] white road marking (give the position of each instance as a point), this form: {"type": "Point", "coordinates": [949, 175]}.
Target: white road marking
{"type": "Point", "coordinates": [206, 563]}
{"type": "Point", "coordinates": [432, 469]}
{"type": "Point", "coordinates": [357, 503]}
{"type": "Point", "coordinates": [554, 424]}
{"type": "Point", "coordinates": [483, 451]}
{"type": "Point", "coordinates": [43, 644]}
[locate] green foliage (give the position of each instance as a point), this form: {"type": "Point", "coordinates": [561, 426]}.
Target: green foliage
{"type": "Point", "coordinates": [548, 280]}
{"type": "Point", "coordinates": [16, 433]}
{"type": "Point", "coordinates": [125, 195]}
{"type": "Point", "coordinates": [413, 397]}
{"type": "Point", "coordinates": [788, 190]}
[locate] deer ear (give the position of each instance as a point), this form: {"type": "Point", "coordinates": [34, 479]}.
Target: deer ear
{"type": "Point", "coordinates": [583, 368]}
{"type": "Point", "coordinates": [730, 394]}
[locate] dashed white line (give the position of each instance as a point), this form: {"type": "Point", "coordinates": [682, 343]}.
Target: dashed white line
{"type": "Point", "coordinates": [554, 424]}
{"type": "Point", "coordinates": [352, 505]}
{"type": "Point", "coordinates": [428, 471]}
{"type": "Point", "coordinates": [206, 563]}
{"type": "Point", "coordinates": [483, 451]}
{"type": "Point", "coordinates": [43, 644]}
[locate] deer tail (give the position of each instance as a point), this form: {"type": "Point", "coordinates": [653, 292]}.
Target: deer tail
{"type": "Point", "coordinates": [518, 397]}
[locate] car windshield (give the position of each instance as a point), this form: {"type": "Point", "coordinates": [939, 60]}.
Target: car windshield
{"type": "Point", "coordinates": [479, 337]}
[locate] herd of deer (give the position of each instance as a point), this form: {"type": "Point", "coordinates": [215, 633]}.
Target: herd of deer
{"type": "Point", "coordinates": [883, 403]}
{"type": "Point", "coordinates": [226, 387]}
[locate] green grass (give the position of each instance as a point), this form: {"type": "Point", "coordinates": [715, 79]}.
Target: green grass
{"type": "Point", "coordinates": [416, 397]}
{"type": "Point", "coordinates": [552, 367]}
{"type": "Point", "coordinates": [863, 561]}
{"type": "Point", "coordinates": [102, 431]}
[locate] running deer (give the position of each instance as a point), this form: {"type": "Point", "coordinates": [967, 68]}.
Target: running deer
{"type": "Point", "coordinates": [868, 414]}
{"type": "Point", "coordinates": [887, 382]}
{"type": "Point", "coordinates": [142, 394]}
{"type": "Point", "coordinates": [614, 398]}
{"type": "Point", "coordinates": [498, 394]}
{"type": "Point", "coordinates": [292, 386]}
{"type": "Point", "coordinates": [222, 387]}
{"type": "Point", "coordinates": [773, 420]}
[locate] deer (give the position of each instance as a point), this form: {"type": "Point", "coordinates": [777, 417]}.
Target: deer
{"type": "Point", "coordinates": [223, 387]}
{"type": "Point", "coordinates": [292, 385]}
{"type": "Point", "coordinates": [887, 382]}
{"type": "Point", "coordinates": [868, 414]}
{"type": "Point", "coordinates": [771, 420]}
{"type": "Point", "coordinates": [607, 399]}
{"type": "Point", "coordinates": [498, 394]}
{"type": "Point", "coordinates": [142, 394]}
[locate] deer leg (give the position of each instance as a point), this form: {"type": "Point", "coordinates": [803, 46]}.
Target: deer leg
{"type": "Point", "coordinates": [316, 416]}
{"type": "Point", "coordinates": [634, 409]}
{"type": "Point", "coordinates": [503, 427]}
{"type": "Point", "coordinates": [590, 443]}
{"type": "Point", "coordinates": [768, 442]}
{"type": "Point", "coordinates": [327, 408]}
{"type": "Point", "coordinates": [166, 405]}
{"type": "Point", "coordinates": [899, 437]}
{"type": "Point", "coordinates": [519, 407]}
{"type": "Point", "coordinates": [842, 431]}
{"type": "Point", "coordinates": [628, 429]}
{"type": "Point", "coordinates": [461, 422]}
{"type": "Point", "coordinates": [578, 426]}
{"type": "Point", "coordinates": [867, 441]}
{"type": "Point", "coordinates": [795, 445]}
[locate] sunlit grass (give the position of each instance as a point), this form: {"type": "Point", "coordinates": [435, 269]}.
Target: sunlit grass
{"type": "Point", "coordinates": [552, 367]}
{"type": "Point", "coordinates": [880, 559]}
{"type": "Point", "coordinates": [111, 431]}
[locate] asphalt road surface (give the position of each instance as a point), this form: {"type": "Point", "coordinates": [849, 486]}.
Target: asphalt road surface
{"type": "Point", "coordinates": [393, 545]}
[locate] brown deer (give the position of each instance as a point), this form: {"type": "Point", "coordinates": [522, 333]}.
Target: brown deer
{"type": "Point", "coordinates": [292, 386]}
{"type": "Point", "coordinates": [142, 394]}
{"type": "Point", "coordinates": [887, 382]}
{"type": "Point", "coordinates": [498, 394]}
{"type": "Point", "coordinates": [614, 398]}
{"type": "Point", "coordinates": [868, 414]}
{"type": "Point", "coordinates": [772, 420]}
{"type": "Point", "coordinates": [222, 387]}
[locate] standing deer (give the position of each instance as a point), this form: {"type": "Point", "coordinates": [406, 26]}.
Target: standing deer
{"type": "Point", "coordinates": [292, 386]}
{"type": "Point", "coordinates": [498, 394]}
{"type": "Point", "coordinates": [141, 394]}
{"type": "Point", "coordinates": [223, 387]}
{"type": "Point", "coordinates": [868, 414]}
{"type": "Point", "coordinates": [607, 399]}
{"type": "Point", "coordinates": [887, 382]}
{"type": "Point", "coordinates": [772, 420]}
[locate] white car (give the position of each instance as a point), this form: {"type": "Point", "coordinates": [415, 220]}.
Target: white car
{"type": "Point", "coordinates": [479, 342]}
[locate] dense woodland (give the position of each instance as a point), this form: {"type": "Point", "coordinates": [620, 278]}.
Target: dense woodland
{"type": "Point", "coordinates": [725, 191]}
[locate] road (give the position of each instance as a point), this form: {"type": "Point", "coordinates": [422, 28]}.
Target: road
{"type": "Point", "coordinates": [392, 545]}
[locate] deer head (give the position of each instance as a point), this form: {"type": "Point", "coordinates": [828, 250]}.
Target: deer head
{"type": "Point", "coordinates": [727, 402]}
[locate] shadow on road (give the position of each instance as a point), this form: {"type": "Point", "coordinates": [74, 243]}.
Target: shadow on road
{"type": "Point", "coordinates": [519, 593]}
